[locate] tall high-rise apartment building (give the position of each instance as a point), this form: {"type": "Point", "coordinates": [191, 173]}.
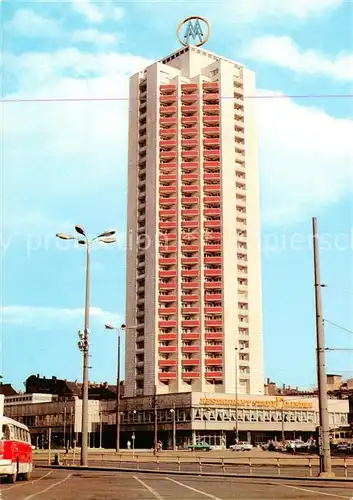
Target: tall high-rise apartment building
{"type": "Point", "coordinates": [193, 259]}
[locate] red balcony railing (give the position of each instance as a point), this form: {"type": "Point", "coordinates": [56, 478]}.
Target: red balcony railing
{"type": "Point", "coordinates": [167, 154]}
{"type": "Point", "coordinates": [214, 375]}
{"type": "Point", "coordinates": [190, 189]}
{"type": "Point", "coordinates": [168, 120]}
{"type": "Point", "coordinates": [189, 87]}
{"type": "Point", "coordinates": [167, 213]}
{"type": "Point", "coordinates": [167, 132]}
{"type": "Point", "coordinates": [164, 110]}
{"type": "Point", "coordinates": [190, 298]}
{"type": "Point", "coordinates": [214, 348]}
{"type": "Point", "coordinates": [207, 212]}
{"type": "Point", "coordinates": [190, 165]}
{"type": "Point", "coordinates": [208, 142]}
{"type": "Point", "coordinates": [168, 225]}
{"type": "Point", "coordinates": [167, 311]}
{"type": "Point", "coordinates": [190, 248]}
{"type": "Point", "coordinates": [211, 131]}
{"type": "Point", "coordinates": [212, 248]}
{"type": "Point", "coordinates": [168, 88]}
{"type": "Point", "coordinates": [190, 336]}
{"type": "Point", "coordinates": [213, 272]}
{"type": "Point", "coordinates": [209, 323]}
{"type": "Point", "coordinates": [211, 153]}
{"type": "Point", "coordinates": [190, 348]}
{"type": "Point", "coordinates": [190, 310]}
{"type": "Point", "coordinates": [213, 260]}
{"type": "Point", "coordinates": [188, 120]}
{"type": "Point", "coordinates": [190, 260]}
{"type": "Point", "coordinates": [168, 178]}
{"type": "Point", "coordinates": [189, 323]}
{"type": "Point", "coordinates": [167, 99]}
{"type": "Point", "coordinates": [167, 375]}
{"type": "Point", "coordinates": [167, 337]}
{"type": "Point", "coordinates": [167, 189]}
{"type": "Point", "coordinates": [189, 142]}
{"type": "Point", "coordinates": [167, 324]}
{"type": "Point", "coordinates": [212, 200]}
{"type": "Point", "coordinates": [211, 297]}
{"type": "Point", "coordinates": [213, 285]}
{"type": "Point", "coordinates": [190, 177]}
{"type": "Point", "coordinates": [167, 286]}
{"type": "Point", "coordinates": [190, 273]}
{"type": "Point", "coordinates": [190, 362]}
{"type": "Point", "coordinates": [214, 336]}
{"type": "Point", "coordinates": [190, 375]}
{"type": "Point", "coordinates": [167, 201]}
{"type": "Point", "coordinates": [211, 119]}
{"type": "Point", "coordinates": [164, 143]}
{"type": "Point", "coordinates": [214, 361]}
{"type": "Point", "coordinates": [212, 237]}
{"type": "Point", "coordinates": [170, 349]}
{"type": "Point", "coordinates": [190, 224]}
{"type": "Point", "coordinates": [189, 131]}
{"type": "Point", "coordinates": [168, 298]}
{"type": "Point", "coordinates": [212, 223]}
{"type": "Point", "coordinates": [192, 212]}
{"type": "Point", "coordinates": [212, 188]}
{"type": "Point", "coordinates": [210, 86]}
{"type": "Point", "coordinates": [186, 98]}
{"type": "Point", "coordinates": [209, 108]}
{"type": "Point", "coordinates": [213, 310]}
{"type": "Point", "coordinates": [167, 249]}
{"type": "Point", "coordinates": [190, 285]}
{"type": "Point", "coordinates": [167, 274]}
{"type": "Point", "coordinates": [211, 96]}
{"type": "Point", "coordinates": [168, 261]}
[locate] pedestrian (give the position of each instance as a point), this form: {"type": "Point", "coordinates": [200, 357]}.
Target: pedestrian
{"type": "Point", "coordinates": [129, 445]}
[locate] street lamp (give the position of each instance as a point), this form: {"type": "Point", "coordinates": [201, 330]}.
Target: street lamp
{"type": "Point", "coordinates": [237, 349]}
{"type": "Point", "coordinates": [118, 330]}
{"type": "Point", "coordinates": [105, 237]}
{"type": "Point", "coordinates": [172, 411]}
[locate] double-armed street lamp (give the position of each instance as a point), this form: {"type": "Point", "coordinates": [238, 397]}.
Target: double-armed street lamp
{"type": "Point", "coordinates": [82, 239]}
{"type": "Point", "coordinates": [122, 327]}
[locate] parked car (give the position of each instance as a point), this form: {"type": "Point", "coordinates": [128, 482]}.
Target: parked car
{"type": "Point", "coordinates": [241, 446]}
{"type": "Point", "coordinates": [202, 446]}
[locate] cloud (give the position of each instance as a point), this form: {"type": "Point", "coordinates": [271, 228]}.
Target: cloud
{"type": "Point", "coordinates": [95, 37]}
{"type": "Point", "coordinates": [48, 317]}
{"type": "Point", "coordinates": [31, 25]}
{"type": "Point", "coordinates": [98, 12]}
{"type": "Point", "coordinates": [306, 159]}
{"type": "Point", "coordinates": [283, 52]}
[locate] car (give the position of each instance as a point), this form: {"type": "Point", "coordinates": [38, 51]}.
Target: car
{"type": "Point", "coordinates": [202, 446]}
{"type": "Point", "coordinates": [241, 446]}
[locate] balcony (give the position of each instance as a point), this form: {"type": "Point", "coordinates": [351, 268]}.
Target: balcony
{"type": "Point", "coordinates": [212, 248]}
{"type": "Point", "coordinates": [186, 98]}
{"type": "Point", "coordinates": [167, 99]}
{"type": "Point", "coordinates": [190, 200]}
{"type": "Point", "coordinates": [238, 111]}
{"type": "Point", "coordinates": [211, 153]}
{"type": "Point", "coordinates": [190, 298]}
{"type": "Point", "coordinates": [212, 260]}
{"type": "Point", "coordinates": [167, 249]}
{"type": "Point", "coordinates": [167, 110]}
{"type": "Point", "coordinates": [167, 213]}
{"type": "Point", "coordinates": [211, 131]}
{"type": "Point", "coordinates": [167, 324]}
{"type": "Point", "coordinates": [207, 211]}
{"type": "Point", "coordinates": [211, 86]}
{"type": "Point", "coordinates": [214, 176]}
{"type": "Point", "coordinates": [189, 165]}
{"type": "Point", "coordinates": [214, 375]}
{"type": "Point", "coordinates": [189, 237]}
{"type": "Point", "coordinates": [168, 286]}
{"type": "Point", "coordinates": [189, 142]}
{"type": "Point", "coordinates": [189, 108]}
{"type": "Point", "coordinates": [190, 348]}
{"type": "Point", "coordinates": [167, 311]}
{"type": "Point", "coordinates": [191, 224]}
{"type": "Point", "coordinates": [167, 201]}
{"type": "Point", "coordinates": [168, 225]}
{"type": "Point", "coordinates": [189, 87]}
{"type": "Point", "coordinates": [167, 376]}
{"type": "Point", "coordinates": [211, 119]}
{"type": "Point", "coordinates": [190, 248]}
{"type": "Point", "coordinates": [168, 120]}
{"type": "Point", "coordinates": [190, 260]}
{"type": "Point", "coordinates": [212, 237]}
{"type": "Point", "coordinates": [168, 298]}
{"type": "Point", "coordinates": [190, 362]}
{"type": "Point", "coordinates": [169, 261]}
{"type": "Point", "coordinates": [191, 212]}
{"type": "Point", "coordinates": [190, 375]}
{"type": "Point", "coordinates": [166, 337]}
{"type": "Point", "coordinates": [211, 96]}
{"type": "Point", "coordinates": [213, 310]}
{"type": "Point", "coordinates": [211, 223]}
{"type": "Point", "coordinates": [190, 285]}
{"type": "Point", "coordinates": [170, 349]}
{"type": "Point", "coordinates": [168, 274]}
{"type": "Point", "coordinates": [189, 189]}
{"type": "Point", "coordinates": [188, 120]}
{"type": "Point", "coordinates": [167, 132]}
{"type": "Point", "coordinates": [167, 154]}
{"type": "Point", "coordinates": [168, 88]}
{"type": "Point", "coordinates": [190, 323]}
{"type": "Point", "coordinates": [212, 297]}
{"type": "Point", "coordinates": [214, 336]}
{"type": "Point", "coordinates": [190, 310]}
{"type": "Point", "coordinates": [167, 168]}
{"type": "Point", "coordinates": [212, 141]}
{"type": "Point", "coordinates": [213, 272]}
{"type": "Point", "coordinates": [214, 361]}
{"type": "Point", "coordinates": [190, 273]}
{"type": "Point", "coordinates": [189, 131]}
{"type": "Point", "coordinates": [190, 336]}
{"type": "Point", "coordinates": [167, 189]}
{"type": "Point", "coordinates": [192, 153]}
{"type": "Point", "coordinates": [167, 143]}
{"type": "Point", "coordinates": [212, 323]}
{"type": "Point", "coordinates": [190, 177]}
{"type": "Point", "coordinates": [168, 178]}
{"type": "Point", "coordinates": [212, 188]}
{"type": "Point", "coordinates": [165, 238]}
{"type": "Point", "coordinates": [211, 108]}
{"type": "Point", "coordinates": [212, 200]}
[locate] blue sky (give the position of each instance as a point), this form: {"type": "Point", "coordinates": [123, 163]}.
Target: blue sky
{"type": "Point", "coordinates": [65, 163]}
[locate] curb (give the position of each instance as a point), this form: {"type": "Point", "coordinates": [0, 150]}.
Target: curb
{"type": "Point", "coordinates": [192, 473]}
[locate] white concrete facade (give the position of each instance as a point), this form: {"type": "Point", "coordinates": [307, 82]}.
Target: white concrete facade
{"type": "Point", "coordinates": [193, 258]}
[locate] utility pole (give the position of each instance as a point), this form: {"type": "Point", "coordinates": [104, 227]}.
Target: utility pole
{"type": "Point", "coordinates": [155, 420]}
{"type": "Point", "coordinates": [325, 452]}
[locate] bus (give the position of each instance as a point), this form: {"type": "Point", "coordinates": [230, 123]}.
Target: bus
{"type": "Point", "coordinates": [16, 456]}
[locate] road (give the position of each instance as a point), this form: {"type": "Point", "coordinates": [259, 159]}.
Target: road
{"type": "Point", "coordinates": [73, 485]}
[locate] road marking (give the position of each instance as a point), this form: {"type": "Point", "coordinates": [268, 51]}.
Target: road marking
{"type": "Point", "coordinates": [194, 489]}
{"type": "Point", "coordinates": [28, 482]}
{"type": "Point", "coordinates": [311, 491]}
{"type": "Point", "coordinates": [151, 490]}
{"type": "Point", "coordinates": [49, 487]}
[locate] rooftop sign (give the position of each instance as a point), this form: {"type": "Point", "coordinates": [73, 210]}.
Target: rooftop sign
{"type": "Point", "coordinates": [196, 28]}
{"type": "Point", "coordinates": [277, 404]}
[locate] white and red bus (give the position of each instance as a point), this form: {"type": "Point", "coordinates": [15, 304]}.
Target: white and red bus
{"type": "Point", "coordinates": [16, 460]}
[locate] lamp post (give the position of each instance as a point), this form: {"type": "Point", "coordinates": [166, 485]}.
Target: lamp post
{"type": "Point", "coordinates": [237, 349]}
{"type": "Point", "coordinates": [118, 393]}
{"type": "Point", "coordinates": [82, 239]}
{"type": "Point", "coordinates": [172, 411]}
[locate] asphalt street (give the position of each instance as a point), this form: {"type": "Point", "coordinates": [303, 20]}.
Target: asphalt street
{"type": "Point", "coordinates": [74, 485]}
